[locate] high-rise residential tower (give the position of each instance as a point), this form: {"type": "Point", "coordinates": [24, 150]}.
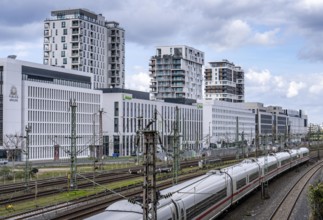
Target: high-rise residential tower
{"type": "Point", "coordinates": [82, 40]}
{"type": "Point", "coordinates": [176, 72]}
{"type": "Point", "coordinates": [224, 81]}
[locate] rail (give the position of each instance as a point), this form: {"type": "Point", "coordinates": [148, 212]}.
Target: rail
{"type": "Point", "coordinates": [287, 204]}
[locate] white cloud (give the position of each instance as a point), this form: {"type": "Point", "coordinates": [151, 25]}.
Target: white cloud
{"type": "Point", "coordinates": [138, 81]}
{"type": "Point", "coordinates": [258, 77]}
{"type": "Point", "coordinates": [317, 87]}
{"type": "Point", "coordinates": [293, 88]}
{"type": "Point", "coordinates": [266, 38]}
{"type": "Point", "coordinates": [279, 81]}
{"type": "Point", "coordinates": [232, 34]}
{"type": "Point", "coordinates": [261, 82]}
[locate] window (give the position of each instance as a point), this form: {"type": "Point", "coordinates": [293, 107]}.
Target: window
{"type": "Point", "coordinates": [63, 53]}
{"type": "Point", "coordinates": [53, 24]}
{"type": "Point", "coordinates": [65, 31]}
{"type": "Point", "coordinates": [53, 39]}
{"type": "Point", "coordinates": [241, 183]}
{"type": "Point", "coordinates": [63, 24]}
{"type": "Point", "coordinates": [65, 61]}
{"type": "Point", "coordinates": [65, 46]}
{"type": "Point", "coordinates": [63, 39]}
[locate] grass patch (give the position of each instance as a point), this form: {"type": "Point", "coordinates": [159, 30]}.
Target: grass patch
{"type": "Point", "coordinates": [63, 197]}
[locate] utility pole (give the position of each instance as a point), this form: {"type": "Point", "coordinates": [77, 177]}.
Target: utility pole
{"type": "Point", "coordinates": [27, 170]}
{"type": "Point", "coordinates": [149, 187]}
{"type": "Point", "coordinates": [318, 141]}
{"type": "Point", "coordinates": [73, 179]}
{"type": "Point", "coordinates": [176, 165]}
{"type": "Point", "coordinates": [237, 131]}
{"type": "Point", "coordinates": [101, 135]}
{"type": "Point", "coordinates": [139, 137]}
{"type": "Point", "coordinates": [257, 135]}
{"type": "Point", "coordinates": [264, 184]}
{"type": "Point", "coordinates": [92, 150]}
{"type": "Point", "coordinates": [150, 198]}
{"type": "Point", "coordinates": [242, 145]}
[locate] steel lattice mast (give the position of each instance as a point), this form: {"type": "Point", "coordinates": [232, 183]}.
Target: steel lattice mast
{"type": "Point", "coordinates": [73, 180]}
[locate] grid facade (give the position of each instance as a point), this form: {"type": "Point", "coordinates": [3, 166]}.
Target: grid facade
{"type": "Point", "coordinates": [176, 72]}
{"type": "Point", "coordinates": [82, 40]}
{"type": "Point", "coordinates": [224, 81]}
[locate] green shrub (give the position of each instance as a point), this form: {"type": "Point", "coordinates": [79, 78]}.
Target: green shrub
{"type": "Point", "coordinates": [316, 200]}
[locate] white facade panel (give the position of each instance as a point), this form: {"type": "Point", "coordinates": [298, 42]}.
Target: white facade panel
{"type": "Point", "coordinates": [220, 123]}
{"type": "Point", "coordinates": [43, 103]}
{"type": "Point", "coordinates": [124, 122]}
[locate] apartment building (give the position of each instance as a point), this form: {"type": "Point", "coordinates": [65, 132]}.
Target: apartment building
{"type": "Point", "coordinates": [224, 81]}
{"type": "Point", "coordinates": [176, 72]}
{"type": "Point", "coordinates": [82, 40]}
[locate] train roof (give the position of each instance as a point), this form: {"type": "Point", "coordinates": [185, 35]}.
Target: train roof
{"type": "Point", "coordinates": [122, 209]}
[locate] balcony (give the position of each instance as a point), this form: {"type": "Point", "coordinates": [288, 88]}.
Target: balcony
{"type": "Point", "coordinates": [76, 23]}
{"type": "Point", "coordinates": [47, 47]}
{"type": "Point", "coordinates": [75, 55]}
{"type": "Point", "coordinates": [47, 33]}
{"type": "Point", "coordinates": [77, 61]}
{"type": "Point", "coordinates": [46, 25]}
{"type": "Point", "coordinates": [75, 39]}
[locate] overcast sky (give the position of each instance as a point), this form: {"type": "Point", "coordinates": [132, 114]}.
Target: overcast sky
{"type": "Point", "coordinates": [278, 42]}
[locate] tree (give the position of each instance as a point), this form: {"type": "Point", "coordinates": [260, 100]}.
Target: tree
{"type": "Point", "coordinates": [316, 200]}
{"type": "Point", "coordinates": [13, 145]}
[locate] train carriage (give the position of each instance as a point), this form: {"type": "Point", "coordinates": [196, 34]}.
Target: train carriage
{"type": "Point", "coordinates": [284, 159]}
{"type": "Point", "coordinates": [239, 176]}
{"type": "Point", "coordinates": [304, 154]}
{"type": "Point", "coordinates": [208, 196]}
{"type": "Point", "coordinates": [269, 168]}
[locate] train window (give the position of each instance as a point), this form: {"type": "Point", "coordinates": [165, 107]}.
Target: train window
{"type": "Point", "coordinates": [182, 214]}
{"type": "Point", "coordinates": [199, 207]}
{"type": "Point", "coordinates": [272, 167]}
{"type": "Point", "coordinates": [241, 183]}
{"type": "Point", "coordinates": [253, 176]}
{"type": "Point", "coordinates": [283, 162]}
{"type": "Point", "coordinates": [305, 154]}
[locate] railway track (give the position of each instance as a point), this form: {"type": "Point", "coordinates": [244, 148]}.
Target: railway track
{"type": "Point", "coordinates": [287, 204]}
{"type": "Point", "coordinates": [86, 207]}
{"type": "Point", "coordinates": [26, 197]}
{"type": "Point", "coordinates": [48, 187]}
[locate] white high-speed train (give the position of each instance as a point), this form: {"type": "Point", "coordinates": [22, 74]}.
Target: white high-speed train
{"type": "Point", "coordinates": [207, 196]}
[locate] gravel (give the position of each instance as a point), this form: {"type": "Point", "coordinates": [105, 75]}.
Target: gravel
{"type": "Point", "coordinates": [255, 208]}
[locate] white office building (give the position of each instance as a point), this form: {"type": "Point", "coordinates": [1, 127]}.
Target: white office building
{"type": "Point", "coordinates": [38, 96]}
{"type": "Point", "coordinates": [82, 40]}
{"type": "Point", "coordinates": [275, 124]}
{"type": "Point", "coordinates": [297, 124]}
{"type": "Point", "coordinates": [176, 72]}
{"type": "Point", "coordinates": [129, 111]}
{"type": "Point", "coordinates": [225, 123]}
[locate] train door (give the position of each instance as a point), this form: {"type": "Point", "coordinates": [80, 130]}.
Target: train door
{"type": "Point", "coordinates": [181, 210]}
{"type": "Point", "coordinates": [175, 210]}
